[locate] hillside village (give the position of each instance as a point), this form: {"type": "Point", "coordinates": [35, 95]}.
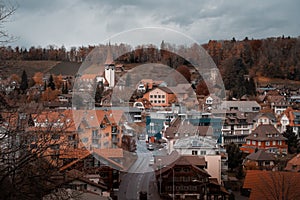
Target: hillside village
{"type": "Point", "coordinates": [71, 135]}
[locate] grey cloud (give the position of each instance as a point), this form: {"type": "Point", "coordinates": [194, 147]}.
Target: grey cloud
{"type": "Point", "coordinates": [90, 22]}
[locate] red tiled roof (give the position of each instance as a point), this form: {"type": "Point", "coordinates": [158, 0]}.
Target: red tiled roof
{"type": "Point", "coordinates": [293, 164]}
{"type": "Point", "coordinates": [271, 185]}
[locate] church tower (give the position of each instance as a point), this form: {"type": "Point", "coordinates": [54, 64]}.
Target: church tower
{"type": "Point", "coordinates": [109, 68]}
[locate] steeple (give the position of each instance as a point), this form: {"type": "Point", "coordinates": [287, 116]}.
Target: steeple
{"type": "Point", "coordinates": [109, 68]}
{"type": "Point", "coordinates": [109, 58]}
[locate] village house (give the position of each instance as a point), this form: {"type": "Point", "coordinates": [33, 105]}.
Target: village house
{"type": "Point", "coordinates": [267, 137]}
{"type": "Point", "coordinates": [204, 146]}
{"type": "Point", "coordinates": [290, 118]}
{"type": "Point", "coordinates": [186, 178]}
{"type": "Point", "coordinates": [242, 106]}
{"type": "Point", "coordinates": [293, 165]}
{"type": "Point", "coordinates": [260, 159]}
{"type": "Point", "coordinates": [160, 96]}
{"type": "Point", "coordinates": [236, 127]}
{"type": "Point", "coordinates": [100, 129]}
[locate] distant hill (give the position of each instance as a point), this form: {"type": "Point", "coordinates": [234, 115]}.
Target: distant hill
{"type": "Point", "coordinates": [65, 68]}
{"type": "Point", "coordinates": [10, 67]}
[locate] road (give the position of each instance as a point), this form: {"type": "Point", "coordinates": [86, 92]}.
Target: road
{"type": "Point", "coordinates": [140, 177]}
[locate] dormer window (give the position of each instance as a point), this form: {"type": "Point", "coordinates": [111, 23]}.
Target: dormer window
{"type": "Point", "coordinates": [255, 135]}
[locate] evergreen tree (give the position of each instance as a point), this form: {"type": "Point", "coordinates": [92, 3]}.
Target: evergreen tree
{"type": "Point", "coordinates": [99, 92]}
{"type": "Point", "coordinates": [24, 82]}
{"type": "Point", "coordinates": [234, 156]}
{"type": "Point", "coordinates": [293, 141]}
{"type": "Point", "coordinates": [45, 85]}
{"type": "Point", "coordinates": [51, 83]}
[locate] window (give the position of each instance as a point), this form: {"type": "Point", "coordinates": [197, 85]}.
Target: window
{"type": "Point", "coordinates": [163, 96]}
{"type": "Point", "coordinates": [159, 96]}
{"type": "Point", "coordinates": [163, 101]}
{"type": "Point", "coordinates": [155, 96]}
{"type": "Point", "coordinates": [55, 136]}
{"type": "Point", "coordinates": [259, 143]}
{"type": "Point", "coordinates": [267, 163]}
{"type": "Point", "coordinates": [151, 96]}
{"type": "Point", "coordinates": [203, 152]}
{"type": "Point", "coordinates": [248, 141]}
{"type": "Point", "coordinates": [267, 143]}
{"type": "Point", "coordinates": [194, 152]}
{"type": "Point", "coordinates": [274, 143]}
{"type": "Point", "coordinates": [94, 133]}
{"type": "Point", "coordinates": [159, 101]}
{"type": "Point", "coordinates": [279, 142]}
{"type": "Point", "coordinates": [254, 142]}
{"type": "Point", "coordinates": [95, 141]}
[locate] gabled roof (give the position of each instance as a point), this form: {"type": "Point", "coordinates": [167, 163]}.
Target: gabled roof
{"type": "Point", "coordinates": [165, 89]}
{"type": "Point", "coordinates": [261, 155]}
{"type": "Point", "coordinates": [184, 160]}
{"type": "Point", "coordinates": [107, 154]}
{"type": "Point", "coordinates": [272, 185]}
{"type": "Point", "coordinates": [74, 174]}
{"type": "Point", "coordinates": [243, 106]}
{"type": "Point", "coordinates": [293, 164]}
{"type": "Point", "coordinates": [263, 130]}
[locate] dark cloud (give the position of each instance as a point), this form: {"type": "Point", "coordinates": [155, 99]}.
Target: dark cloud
{"type": "Point", "coordinates": [75, 23]}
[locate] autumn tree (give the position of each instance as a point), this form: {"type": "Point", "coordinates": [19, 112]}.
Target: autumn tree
{"type": "Point", "coordinates": [49, 94]}
{"type": "Point", "coordinates": [185, 71]}
{"type": "Point", "coordinates": [58, 80]}
{"type": "Point", "coordinates": [38, 78]}
{"type": "Point", "coordinates": [15, 77]}
{"type": "Point", "coordinates": [202, 88]}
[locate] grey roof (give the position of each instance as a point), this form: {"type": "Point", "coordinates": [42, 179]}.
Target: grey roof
{"type": "Point", "coordinates": [262, 131]}
{"type": "Point", "coordinates": [196, 142]}
{"type": "Point", "coordinates": [243, 106]}
{"type": "Point", "coordinates": [261, 155]}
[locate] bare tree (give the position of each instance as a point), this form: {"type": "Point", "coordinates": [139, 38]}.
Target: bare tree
{"type": "Point", "coordinates": [272, 185]}
{"type": "Point", "coordinates": [7, 9]}
{"type": "Point", "coordinates": [29, 152]}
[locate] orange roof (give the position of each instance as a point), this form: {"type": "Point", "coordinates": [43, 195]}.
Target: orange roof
{"type": "Point", "coordinates": [88, 76]}
{"type": "Point", "coordinates": [115, 116]}
{"type": "Point", "coordinates": [110, 153]}
{"type": "Point", "coordinates": [81, 154]}
{"type": "Point", "coordinates": [271, 185]}
{"type": "Point", "coordinates": [293, 164]}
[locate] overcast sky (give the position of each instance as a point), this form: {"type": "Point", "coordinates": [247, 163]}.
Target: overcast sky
{"type": "Point", "coordinates": [78, 22]}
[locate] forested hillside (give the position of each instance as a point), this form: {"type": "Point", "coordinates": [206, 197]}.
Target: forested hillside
{"type": "Point", "coordinates": [272, 57]}
{"type": "Point", "coordinates": [269, 58]}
